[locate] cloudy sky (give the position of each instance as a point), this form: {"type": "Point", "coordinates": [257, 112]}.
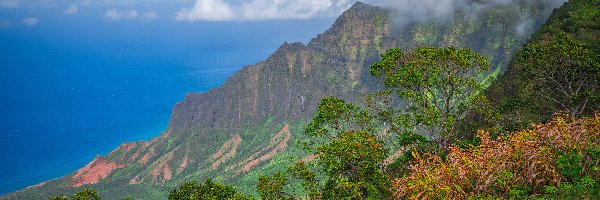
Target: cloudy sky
{"type": "Point", "coordinates": [34, 12]}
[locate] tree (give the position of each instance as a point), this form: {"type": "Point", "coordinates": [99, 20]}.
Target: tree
{"type": "Point", "coordinates": [563, 72]}
{"type": "Point", "coordinates": [353, 164]}
{"type": "Point", "coordinates": [436, 86]}
{"type": "Point", "coordinates": [86, 194]}
{"type": "Point", "coordinates": [348, 167]}
{"type": "Point", "coordinates": [348, 161]}
{"type": "Point", "coordinates": [209, 190]}
{"type": "Point", "coordinates": [349, 158]}
{"type": "Point", "coordinates": [334, 117]}
{"type": "Point", "coordinates": [272, 187]}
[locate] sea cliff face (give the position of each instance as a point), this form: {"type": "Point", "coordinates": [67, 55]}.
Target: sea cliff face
{"type": "Point", "coordinates": [249, 126]}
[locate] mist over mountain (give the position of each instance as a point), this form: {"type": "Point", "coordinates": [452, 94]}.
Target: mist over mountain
{"type": "Point", "coordinates": [416, 11]}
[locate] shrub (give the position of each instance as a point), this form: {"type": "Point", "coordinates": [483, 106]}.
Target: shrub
{"type": "Point", "coordinates": [536, 161]}
{"type": "Point", "coordinates": [209, 190]}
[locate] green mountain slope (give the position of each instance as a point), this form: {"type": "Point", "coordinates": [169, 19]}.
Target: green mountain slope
{"type": "Point", "coordinates": [579, 19]}
{"type": "Point", "coordinates": [249, 126]}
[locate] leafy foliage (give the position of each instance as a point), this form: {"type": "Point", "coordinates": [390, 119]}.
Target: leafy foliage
{"type": "Point", "coordinates": [353, 164]}
{"type": "Point", "coordinates": [578, 18]}
{"type": "Point", "coordinates": [85, 194]}
{"type": "Point", "coordinates": [300, 170]}
{"type": "Point", "coordinates": [349, 166]}
{"type": "Point", "coordinates": [562, 71]}
{"type": "Point", "coordinates": [523, 163]}
{"type": "Point", "coordinates": [348, 159]}
{"type": "Point", "coordinates": [334, 116]}
{"type": "Point", "coordinates": [272, 187]}
{"type": "Point", "coordinates": [209, 190]}
{"type": "Point", "coordinates": [438, 86]}
{"type": "Point", "coordinates": [545, 76]}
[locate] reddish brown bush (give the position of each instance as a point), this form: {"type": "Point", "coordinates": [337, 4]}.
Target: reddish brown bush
{"type": "Point", "coordinates": [495, 167]}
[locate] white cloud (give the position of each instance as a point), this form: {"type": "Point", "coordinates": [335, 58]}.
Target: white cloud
{"type": "Point", "coordinates": [116, 15]}
{"type": "Point", "coordinates": [113, 3]}
{"type": "Point", "coordinates": [9, 4]}
{"type": "Point", "coordinates": [150, 15]}
{"type": "Point", "coordinates": [31, 21]}
{"type": "Point", "coordinates": [71, 10]}
{"type": "Point", "coordinates": [254, 10]}
{"type": "Point", "coordinates": [210, 10]}
{"type": "Point", "coordinates": [409, 11]}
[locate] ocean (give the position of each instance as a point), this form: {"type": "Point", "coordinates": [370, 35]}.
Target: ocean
{"type": "Point", "coordinates": [76, 88]}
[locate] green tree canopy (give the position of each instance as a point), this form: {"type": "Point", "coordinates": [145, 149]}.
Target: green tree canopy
{"type": "Point", "coordinates": [437, 87]}
{"type": "Point", "coordinates": [347, 167]}
{"type": "Point", "coordinates": [85, 194]}
{"type": "Point", "coordinates": [272, 187]}
{"type": "Point", "coordinates": [191, 190]}
{"type": "Point", "coordinates": [562, 72]}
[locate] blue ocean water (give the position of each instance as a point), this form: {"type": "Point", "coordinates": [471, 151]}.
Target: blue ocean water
{"type": "Point", "coordinates": [72, 89]}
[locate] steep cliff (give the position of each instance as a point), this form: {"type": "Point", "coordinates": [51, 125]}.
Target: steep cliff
{"type": "Point", "coordinates": [249, 126]}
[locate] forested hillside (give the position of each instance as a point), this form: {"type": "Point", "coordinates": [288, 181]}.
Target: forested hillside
{"type": "Point", "coordinates": [535, 85]}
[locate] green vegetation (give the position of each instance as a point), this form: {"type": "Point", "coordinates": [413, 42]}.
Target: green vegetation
{"type": "Point", "coordinates": [557, 71]}
{"type": "Point", "coordinates": [85, 194]}
{"type": "Point", "coordinates": [209, 190]}
{"type": "Point", "coordinates": [438, 86]}
{"type": "Point", "coordinates": [272, 187]}
{"type": "Point", "coordinates": [562, 72]}
{"type": "Point", "coordinates": [349, 167]}
{"type": "Point", "coordinates": [560, 158]}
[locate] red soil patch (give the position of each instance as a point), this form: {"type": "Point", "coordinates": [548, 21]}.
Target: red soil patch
{"type": "Point", "coordinates": [278, 144]}
{"type": "Point", "coordinates": [309, 158]}
{"type": "Point", "coordinates": [163, 171]}
{"type": "Point", "coordinates": [144, 146]}
{"type": "Point", "coordinates": [134, 180]}
{"type": "Point", "coordinates": [135, 155]}
{"type": "Point", "coordinates": [146, 157]}
{"type": "Point", "coordinates": [234, 143]}
{"type": "Point", "coordinates": [98, 169]}
{"type": "Point", "coordinates": [147, 144]}
{"type": "Point", "coordinates": [184, 164]}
